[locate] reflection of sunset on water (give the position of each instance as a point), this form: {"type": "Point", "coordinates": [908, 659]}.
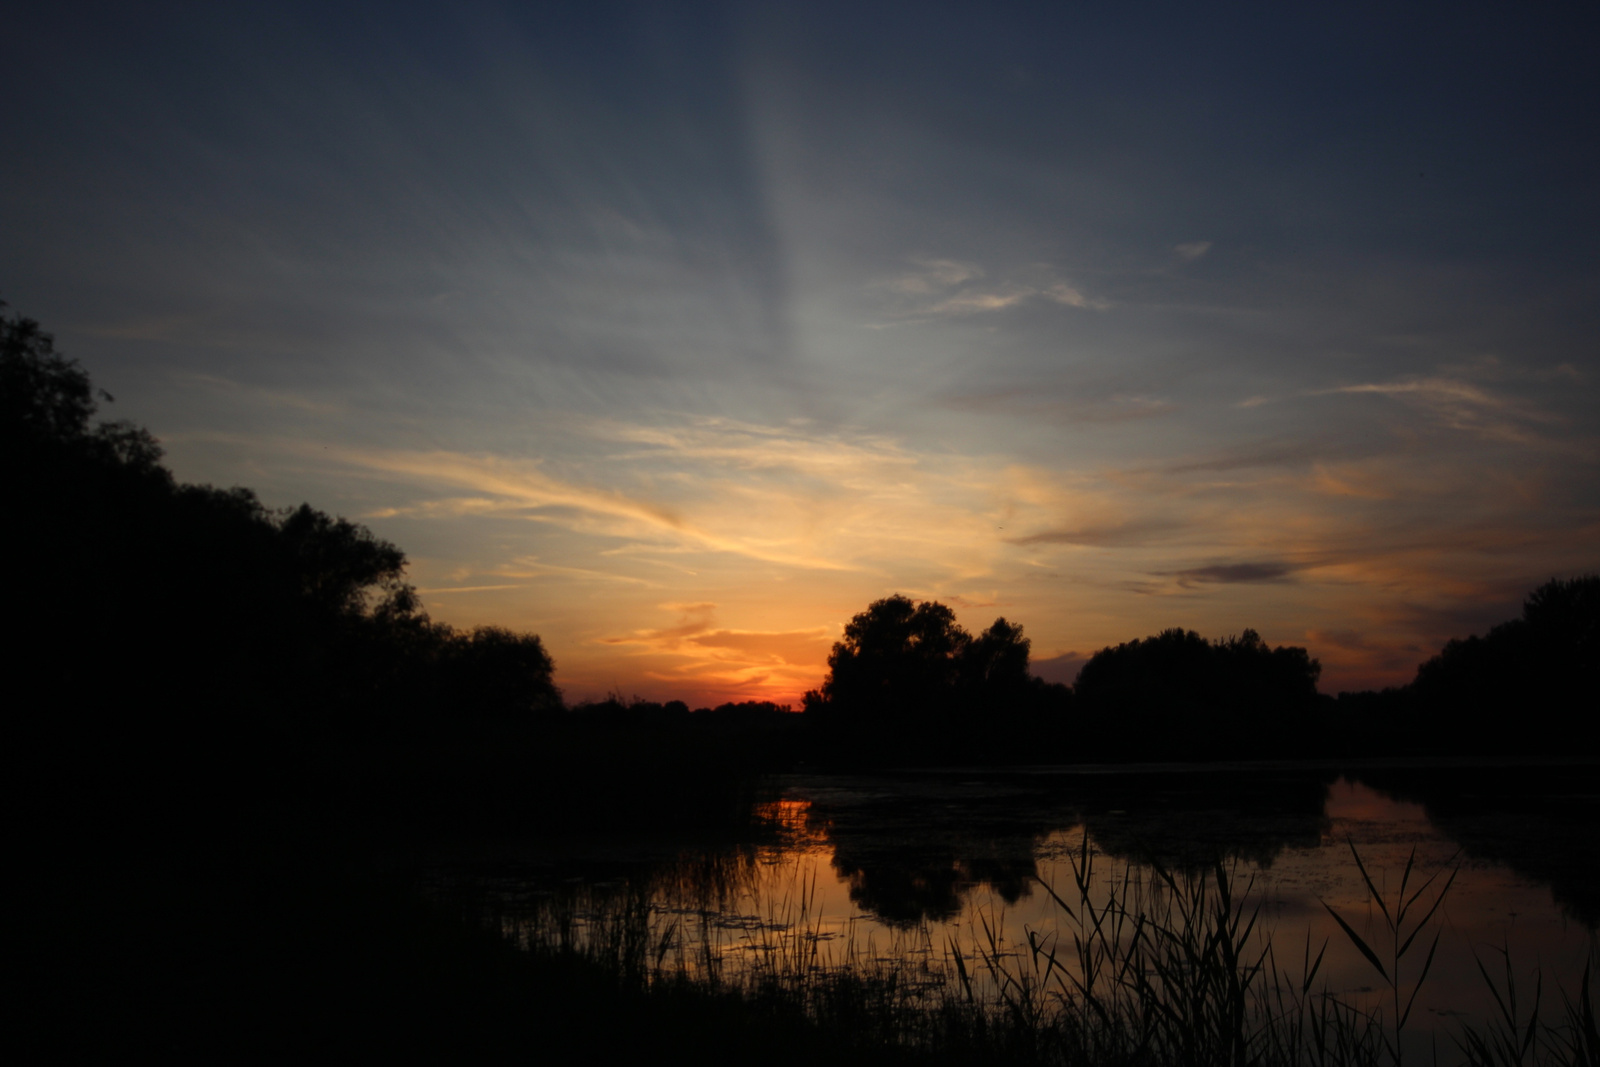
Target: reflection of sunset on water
{"type": "Point", "coordinates": [1350, 802]}
{"type": "Point", "coordinates": [791, 816]}
{"type": "Point", "coordinates": [797, 894]}
{"type": "Point", "coordinates": [749, 491]}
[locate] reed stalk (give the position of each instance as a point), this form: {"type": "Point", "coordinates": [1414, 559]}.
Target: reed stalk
{"type": "Point", "coordinates": [1144, 967]}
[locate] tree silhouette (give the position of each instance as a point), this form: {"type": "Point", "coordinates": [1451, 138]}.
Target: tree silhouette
{"type": "Point", "coordinates": [1177, 695]}
{"type": "Point", "coordinates": [1525, 686]}
{"type": "Point", "coordinates": [898, 660]}
{"type": "Point", "coordinates": [906, 678]}
{"type": "Point", "coordinates": [250, 640]}
{"type": "Point", "coordinates": [997, 658]}
{"type": "Point", "coordinates": [47, 404]}
{"type": "Point", "coordinates": [495, 673]}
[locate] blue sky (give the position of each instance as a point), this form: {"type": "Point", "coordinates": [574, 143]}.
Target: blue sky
{"type": "Point", "coordinates": [678, 333]}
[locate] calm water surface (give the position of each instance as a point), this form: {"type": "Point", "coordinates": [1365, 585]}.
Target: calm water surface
{"type": "Point", "coordinates": [912, 868]}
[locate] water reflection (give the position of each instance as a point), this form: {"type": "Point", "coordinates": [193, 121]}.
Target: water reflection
{"type": "Point", "coordinates": [1535, 818]}
{"type": "Point", "coordinates": [918, 868]}
{"type": "Point", "coordinates": [914, 847]}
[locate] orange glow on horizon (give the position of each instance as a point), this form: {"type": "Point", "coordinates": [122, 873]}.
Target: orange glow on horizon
{"type": "Point", "coordinates": [711, 560]}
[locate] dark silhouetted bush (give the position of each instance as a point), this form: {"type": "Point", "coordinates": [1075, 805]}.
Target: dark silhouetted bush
{"type": "Point", "coordinates": [1178, 696]}
{"type": "Point", "coordinates": [191, 648]}
{"type": "Point", "coordinates": [1527, 686]}
{"type": "Point", "coordinates": [907, 682]}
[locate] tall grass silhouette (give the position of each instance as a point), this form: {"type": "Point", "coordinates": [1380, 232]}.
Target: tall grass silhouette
{"type": "Point", "coordinates": [1142, 966]}
{"type": "Point", "coordinates": [1399, 941]}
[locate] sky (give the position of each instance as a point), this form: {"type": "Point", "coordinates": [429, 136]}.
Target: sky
{"type": "Point", "coordinates": [679, 333]}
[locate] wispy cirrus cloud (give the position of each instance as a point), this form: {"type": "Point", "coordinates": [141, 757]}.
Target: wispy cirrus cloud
{"type": "Point", "coordinates": [1072, 296]}
{"type": "Point", "coordinates": [1126, 534]}
{"type": "Point", "coordinates": [529, 567]}
{"type": "Point", "coordinates": [696, 650]}
{"type": "Point", "coordinates": [971, 302]}
{"type": "Point", "coordinates": [692, 619]}
{"type": "Point", "coordinates": [797, 447]}
{"type": "Point", "coordinates": [1231, 573]}
{"type": "Point", "coordinates": [1047, 403]}
{"type": "Point", "coordinates": [259, 395]}
{"type": "Point", "coordinates": [1460, 405]}
{"type": "Point", "coordinates": [512, 483]}
{"type": "Point", "coordinates": [943, 287]}
{"type": "Point", "coordinates": [934, 276]}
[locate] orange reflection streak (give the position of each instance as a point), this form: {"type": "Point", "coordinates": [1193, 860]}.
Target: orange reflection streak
{"type": "Point", "coordinates": [795, 823]}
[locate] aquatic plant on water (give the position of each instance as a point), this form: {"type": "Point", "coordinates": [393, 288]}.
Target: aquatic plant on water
{"type": "Point", "coordinates": [1148, 966]}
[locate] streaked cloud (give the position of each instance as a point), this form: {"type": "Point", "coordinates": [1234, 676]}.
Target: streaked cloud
{"type": "Point", "coordinates": [970, 302]}
{"type": "Point", "coordinates": [695, 651]}
{"type": "Point", "coordinates": [1462, 405]}
{"type": "Point", "coordinates": [1050, 404]}
{"type": "Point", "coordinates": [944, 287]}
{"type": "Point", "coordinates": [1062, 293]}
{"type": "Point", "coordinates": [435, 590]}
{"type": "Point", "coordinates": [1259, 571]}
{"type": "Point", "coordinates": [615, 513]}
{"type": "Point", "coordinates": [1120, 534]}
{"type": "Point", "coordinates": [934, 276]}
{"type": "Point", "coordinates": [649, 315]}
{"type": "Point", "coordinates": [693, 619]}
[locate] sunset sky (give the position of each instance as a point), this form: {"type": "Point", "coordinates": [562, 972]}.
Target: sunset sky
{"type": "Point", "coordinates": [677, 333]}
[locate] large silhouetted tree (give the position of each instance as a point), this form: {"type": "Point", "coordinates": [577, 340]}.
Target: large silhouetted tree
{"type": "Point", "coordinates": [898, 661]}
{"type": "Point", "coordinates": [174, 631]}
{"type": "Point", "coordinates": [493, 672]}
{"type": "Point", "coordinates": [906, 676]}
{"type": "Point", "coordinates": [1177, 695]}
{"type": "Point", "coordinates": [1528, 685]}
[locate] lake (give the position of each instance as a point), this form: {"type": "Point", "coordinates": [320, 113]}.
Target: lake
{"type": "Point", "coordinates": [961, 881]}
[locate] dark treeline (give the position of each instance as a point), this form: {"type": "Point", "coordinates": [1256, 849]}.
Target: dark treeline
{"type": "Point", "coordinates": [218, 706]}
{"type": "Point", "coordinates": [907, 684]}
{"type": "Point", "coordinates": [166, 620]}
{"type": "Point", "coordinates": [185, 641]}
{"type": "Point", "coordinates": [1525, 688]}
{"type": "Point", "coordinates": [182, 635]}
{"type": "Point", "coordinates": [229, 723]}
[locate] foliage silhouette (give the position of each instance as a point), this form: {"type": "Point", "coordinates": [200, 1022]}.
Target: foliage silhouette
{"type": "Point", "coordinates": [1535, 817]}
{"type": "Point", "coordinates": [1522, 689]}
{"type": "Point", "coordinates": [216, 694]}
{"type": "Point", "coordinates": [1541, 665]}
{"type": "Point", "coordinates": [187, 598]}
{"type": "Point", "coordinates": [914, 845]}
{"type": "Point", "coordinates": [1179, 696]}
{"type": "Point", "coordinates": [897, 660]}
{"type": "Point", "coordinates": [906, 681]}
{"type": "Point", "coordinates": [212, 683]}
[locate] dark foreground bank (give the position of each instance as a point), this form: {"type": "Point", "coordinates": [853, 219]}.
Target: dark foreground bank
{"type": "Point", "coordinates": [240, 723]}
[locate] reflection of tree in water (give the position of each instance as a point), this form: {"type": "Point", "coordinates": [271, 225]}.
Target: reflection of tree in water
{"type": "Point", "coordinates": [911, 849]}
{"type": "Point", "coordinates": [916, 848]}
{"type": "Point", "coordinates": [931, 880]}
{"type": "Point", "coordinates": [1539, 820]}
{"type": "Point", "coordinates": [706, 879]}
{"type": "Point", "coordinates": [1187, 821]}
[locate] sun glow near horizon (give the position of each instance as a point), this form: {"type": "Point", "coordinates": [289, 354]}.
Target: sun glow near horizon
{"type": "Point", "coordinates": [680, 338]}
{"type": "Point", "coordinates": [710, 559]}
